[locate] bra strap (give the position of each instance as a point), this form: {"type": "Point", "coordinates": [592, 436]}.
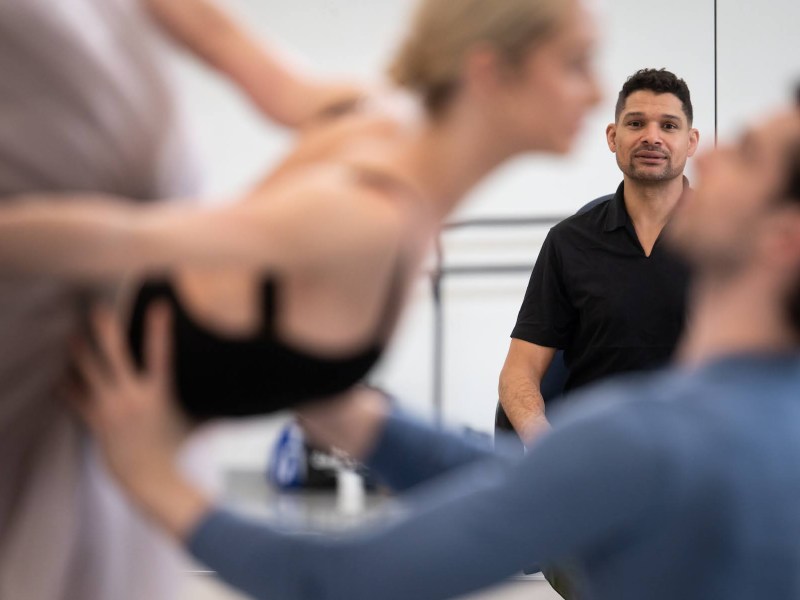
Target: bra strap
{"type": "Point", "coordinates": [269, 300]}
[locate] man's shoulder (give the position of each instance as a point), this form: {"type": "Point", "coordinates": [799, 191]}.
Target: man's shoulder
{"type": "Point", "coordinates": [590, 217]}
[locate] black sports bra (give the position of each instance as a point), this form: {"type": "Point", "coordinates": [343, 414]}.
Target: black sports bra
{"type": "Point", "coordinates": [222, 376]}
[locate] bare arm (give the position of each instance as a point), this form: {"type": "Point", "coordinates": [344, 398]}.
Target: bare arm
{"type": "Point", "coordinates": [280, 90]}
{"type": "Point", "coordinates": [519, 387]}
{"type": "Point", "coordinates": [350, 422]}
{"type": "Point", "coordinates": [91, 237]}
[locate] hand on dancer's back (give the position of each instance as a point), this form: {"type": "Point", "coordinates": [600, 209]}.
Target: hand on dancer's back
{"type": "Point", "coordinates": [132, 412]}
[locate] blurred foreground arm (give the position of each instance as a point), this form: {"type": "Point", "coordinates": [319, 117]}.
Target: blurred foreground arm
{"type": "Point", "coordinates": [84, 236]}
{"type": "Point", "coordinates": [99, 237]}
{"type": "Point", "coordinates": [355, 421]}
{"type": "Point", "coordinates": [466, 530]}
{"type": "Point", "coordinates": [282, 91]}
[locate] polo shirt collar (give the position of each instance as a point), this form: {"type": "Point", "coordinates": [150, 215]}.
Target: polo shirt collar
{"type": "Point", "coordinates": [617, 214]}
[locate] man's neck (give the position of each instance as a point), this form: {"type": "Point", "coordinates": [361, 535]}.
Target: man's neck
{"type": "Point", "coordinates": [650, 206]}
{"type": "Point", "coordinates": [733, 316]}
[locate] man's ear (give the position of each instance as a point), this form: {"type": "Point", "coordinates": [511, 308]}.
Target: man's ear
{"type": "Point", "coordinates": [611, 137]}
{"type": "Point", "coordinates": [694, 141]}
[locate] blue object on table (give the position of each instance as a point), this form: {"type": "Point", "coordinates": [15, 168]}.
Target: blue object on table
{"type": "Point", "coordinates": [288, 466]}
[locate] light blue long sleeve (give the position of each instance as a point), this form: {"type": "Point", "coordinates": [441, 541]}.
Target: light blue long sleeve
{"type": "Point", "coordinates": [680, 485]}
{"type": "Point", "coordinates": [467, 529]}
{"type": "Point", "coordinates": [427, 452]}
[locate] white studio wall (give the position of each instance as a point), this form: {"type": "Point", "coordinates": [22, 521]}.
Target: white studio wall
{"type": "Point", "coordinates": [331, 37]}
{"type": "Point", "coordinates": [756, 57]}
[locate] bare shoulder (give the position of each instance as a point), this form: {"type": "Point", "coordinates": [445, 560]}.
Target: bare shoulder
{"type": "Point", "coordinates": [354, 133]}
{"type": "Point", "coordinates": [330, 212]}
{"type": "Point", "coordinates": [336, 195]}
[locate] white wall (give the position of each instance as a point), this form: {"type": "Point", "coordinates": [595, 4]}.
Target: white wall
{"type": "Point", "coordinates": [757, 55]}
{"type": "Point", "coordinates": [759, 59]}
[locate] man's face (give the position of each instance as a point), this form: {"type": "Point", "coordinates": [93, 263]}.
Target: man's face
{"type": "Point", "coordinates": [652, 137]}
{"type": "Point", "coordinates": [720, 222]}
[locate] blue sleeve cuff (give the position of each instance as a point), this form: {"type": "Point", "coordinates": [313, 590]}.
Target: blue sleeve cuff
{"type": "Point", "coordinates": [397, 431]}
{"type": "Point", "coordinates": [210, 533]}
{"type": "Point", "coordinates": [409, 452]}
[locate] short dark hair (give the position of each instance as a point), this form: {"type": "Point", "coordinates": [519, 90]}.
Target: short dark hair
{"type": "Point", "coordinates": [659, 81]}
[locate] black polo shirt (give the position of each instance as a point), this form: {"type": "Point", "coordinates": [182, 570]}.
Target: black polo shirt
{"type": "Point", "coordinates": [595, 294]}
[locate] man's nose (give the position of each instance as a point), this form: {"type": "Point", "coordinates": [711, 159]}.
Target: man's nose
{"type": "Point", "coordinates": [652, 135]}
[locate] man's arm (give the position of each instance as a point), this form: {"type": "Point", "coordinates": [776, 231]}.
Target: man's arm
{"type": "Point", "coordinates": [519, 388]}
{"type": "Point", "coordinates": [545, 322]}
{"type": "Point", "coordinates": [280, 90]}
{"type": "Point", "coordinates": [354, 422]}
{"type": "Point", "coordinates": [467, 530]}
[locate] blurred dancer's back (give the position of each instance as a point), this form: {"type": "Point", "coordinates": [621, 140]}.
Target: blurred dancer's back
{"type": "Point", "coordinates": [83, 106]}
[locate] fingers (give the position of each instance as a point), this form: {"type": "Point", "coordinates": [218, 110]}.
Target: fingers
{"type": "Point", "coordinates": [111, 343]}
{"type": "Point", "coordinates": [89, 368]}
{"type": "Point", "coordinates": [93, 391]}
{"type": "Point", "coordinates": [76, 397]}
{"type": "Point", "coordinates": [159, 342]}
{"type": "Point", "coordinates": [86, 387]}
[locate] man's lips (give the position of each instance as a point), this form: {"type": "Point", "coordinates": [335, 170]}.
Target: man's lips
{"type": "Point", "coordinates": [650, 156]}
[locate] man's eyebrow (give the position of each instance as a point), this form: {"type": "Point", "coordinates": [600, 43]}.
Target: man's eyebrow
{"type": "Point", "coordinates": [640, 114]}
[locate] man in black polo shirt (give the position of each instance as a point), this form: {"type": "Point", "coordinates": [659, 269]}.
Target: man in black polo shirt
{"type": "Point", "coordinates": [604, 288]}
